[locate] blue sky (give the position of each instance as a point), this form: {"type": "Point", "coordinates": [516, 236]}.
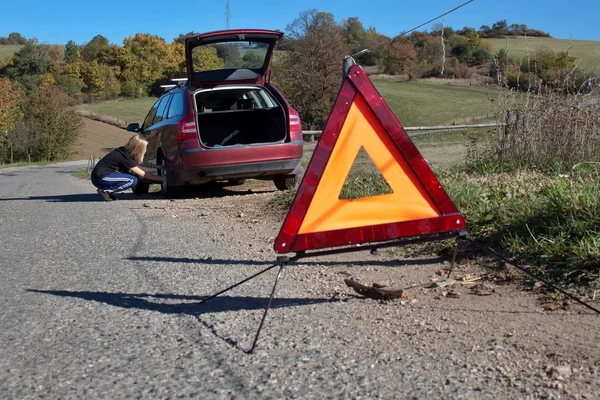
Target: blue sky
{"type": "Point", "coordinates": [56, 22]}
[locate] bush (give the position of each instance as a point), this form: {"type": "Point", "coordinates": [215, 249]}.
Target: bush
{"type": "Point", "coordinates": [48, 131]}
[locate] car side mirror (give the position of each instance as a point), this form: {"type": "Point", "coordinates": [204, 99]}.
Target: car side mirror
{"type": "Point", "coordinates": [135, 127]}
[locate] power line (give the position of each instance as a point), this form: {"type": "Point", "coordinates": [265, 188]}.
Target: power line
{"type": "Point", "coordinates": [413, 29]}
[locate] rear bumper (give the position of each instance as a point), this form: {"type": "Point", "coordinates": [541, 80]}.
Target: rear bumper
{"type": "Point", "coordinates": [200, 165]}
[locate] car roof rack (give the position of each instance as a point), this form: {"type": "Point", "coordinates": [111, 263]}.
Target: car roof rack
{"type": "Point", "coordinates": [179, 82]}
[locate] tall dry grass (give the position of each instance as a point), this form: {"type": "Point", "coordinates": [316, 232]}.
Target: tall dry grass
{"type": "Point", "coordinates": [546, 128]}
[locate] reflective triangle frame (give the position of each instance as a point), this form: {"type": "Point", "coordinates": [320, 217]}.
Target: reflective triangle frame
{"type": "Point", "coordinates": [448, 219]}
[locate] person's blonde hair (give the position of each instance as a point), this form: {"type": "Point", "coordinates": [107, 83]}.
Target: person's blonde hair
{"type": "Point", "coordinates": [136, 146]}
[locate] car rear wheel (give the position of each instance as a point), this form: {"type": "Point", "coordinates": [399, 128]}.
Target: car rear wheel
{"type": "Point", "coordinates": [285, 182]}
{"type": "Point", "coordinates": [141, 188]}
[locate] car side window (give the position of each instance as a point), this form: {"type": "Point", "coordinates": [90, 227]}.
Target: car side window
{"type": "Point", "coordinates": [150, 117]}
{"type": "Point", "coordinates": [160, 112]}
{"type": "Point", "coordinates": [176, 107]}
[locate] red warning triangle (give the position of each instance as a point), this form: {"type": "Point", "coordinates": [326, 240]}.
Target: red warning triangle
{"type": "Point", "coordinates": [418, 206]}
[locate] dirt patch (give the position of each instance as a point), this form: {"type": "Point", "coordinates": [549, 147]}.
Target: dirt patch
{"type": "Point", "coordinates": [98, 138]}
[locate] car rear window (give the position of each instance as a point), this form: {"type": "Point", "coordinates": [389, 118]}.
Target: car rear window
{"type": "Point", "coordinates": [229, 55]}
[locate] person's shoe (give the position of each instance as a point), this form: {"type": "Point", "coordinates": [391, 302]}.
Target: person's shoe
{"type": "Point", "coordinates": [113, 197]}
{"type": "Point", "coordinates": [105, 196]}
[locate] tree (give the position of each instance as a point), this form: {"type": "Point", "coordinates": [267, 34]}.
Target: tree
{"type": "Point", "coordinates": [484, 31]}
{"type": "Point", "coordinates": [31, 59]}
{"type": "Point", "coordinates": [373, 41]}
{"type": "Point", "coordinates": [17, 38]}
{"type": "Point", "coordinates": [143, 60]}
{"type": "Point", "coordinates": [71, 52]}
{"type": "Point", "coordinates": [309, 73]}
{"type": "Point", "coordinates": [56, 125]}
{"type": "Point", "coordinates": [93, 49]}
{"type": "Point", "coordinates": [99, 80]}
{"type": "Point", "coordinates": [400, 58]}
{"type": "Point", "coordinates": [181, 38]}
{"type": "Point", "coordinates": [499, 28]}
{"type": "Point", "coordinates": [355, 33]}
{"type": "Point", "coordinates": [10, 98]}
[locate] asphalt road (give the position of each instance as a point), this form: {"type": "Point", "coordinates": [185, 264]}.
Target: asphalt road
{"type": "Point", "coordinates": [73, 315]}
{"type": "Point", "coordinates": [100, 300]}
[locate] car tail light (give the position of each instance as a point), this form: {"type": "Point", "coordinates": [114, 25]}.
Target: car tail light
{"type": "Point", "coordinates": [295, 125]}
{"type": "Point", "coordinates": [187, 128]}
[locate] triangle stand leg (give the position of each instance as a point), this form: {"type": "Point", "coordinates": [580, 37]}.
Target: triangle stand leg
{"type": "Point", "coordinates": [238, 284]}
{"type": "Point", "coordinates": [282, 263]}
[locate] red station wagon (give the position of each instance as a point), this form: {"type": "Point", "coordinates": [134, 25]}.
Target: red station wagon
{"type": "Point", "coordinates": [226, 121]}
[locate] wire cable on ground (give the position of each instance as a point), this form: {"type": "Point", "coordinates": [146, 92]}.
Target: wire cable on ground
{"type": "Point", "coordinates": [410, 30]}
{"type": "Point", "coordinates": [524, 270]}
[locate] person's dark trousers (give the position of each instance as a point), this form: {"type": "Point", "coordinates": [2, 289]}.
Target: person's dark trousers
{"type": "Point", "coordinates": [115, 182]}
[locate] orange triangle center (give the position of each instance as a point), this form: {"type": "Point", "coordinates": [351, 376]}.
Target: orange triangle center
{"type": "Point", "coordinates": [409, 200]}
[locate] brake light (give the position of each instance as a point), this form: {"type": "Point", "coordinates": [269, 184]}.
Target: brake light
{"type": "Point", "coordinates": [187, 128]}
{"type": "Point", "coordinates": [294, 120]}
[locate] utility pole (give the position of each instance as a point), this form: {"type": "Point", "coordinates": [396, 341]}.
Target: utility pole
{"type": "Point", "coordinates": [227, 14]}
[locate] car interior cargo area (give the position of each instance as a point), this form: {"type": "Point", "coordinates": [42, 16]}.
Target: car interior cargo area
{"type": "Point", "coordinates": [238, 116]}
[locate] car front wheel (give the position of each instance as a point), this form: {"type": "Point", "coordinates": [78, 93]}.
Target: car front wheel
{"type": "Point", "coordinates": [285, 182]}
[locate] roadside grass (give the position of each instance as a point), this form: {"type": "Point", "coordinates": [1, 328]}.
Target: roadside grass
{"type": "Point", "coordinates": [130, 110]}
{"type": "Point", "coordinates": [585, 50]}
{"type": "Point", "coordinates": [84, 173]}
{"type": "Point", "coordinates": [26, 164]}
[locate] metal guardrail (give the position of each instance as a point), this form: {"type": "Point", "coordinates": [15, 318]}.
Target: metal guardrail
{"type": "Point", "coordinates": [428, 128]}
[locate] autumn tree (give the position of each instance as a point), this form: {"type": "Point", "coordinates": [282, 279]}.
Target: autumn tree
{"type": "Point", "coordinates": [143, 60]}
{"type": "Point", "coordinates": [309, 73]}
{"type": "Point", "coordinates": [400, 57]}
{"type": "Point", "coordinates": [10, 100]}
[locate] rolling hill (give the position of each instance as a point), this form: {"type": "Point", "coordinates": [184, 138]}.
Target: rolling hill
{"type": "Point", "coordinates": [585, 50]}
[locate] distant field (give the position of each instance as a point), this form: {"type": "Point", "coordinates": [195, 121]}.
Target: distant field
{"type": "Point", "coordinates": [134, 110]}
{"type": "Point", "coordinates": [417, 104]}
{"type": "Point", "coordinates": [413, 104]}
{"type": "Point", "coordinates": [8, 50]}
{"type": "Point", "coordinates": [587, 51]}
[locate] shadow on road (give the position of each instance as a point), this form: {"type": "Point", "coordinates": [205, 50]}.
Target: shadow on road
{"type": "Point", "coordinates": [217, 261]}
{"type": "Point", "coordinates": [187, 305]}
{"type": "Point", "coordinates": [188, 194]}
{"type": "Point", "coordinates": [61, 198]}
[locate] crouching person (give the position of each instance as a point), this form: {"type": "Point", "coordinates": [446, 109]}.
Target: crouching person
{"type": "Point", "coordinates": [119, 170]}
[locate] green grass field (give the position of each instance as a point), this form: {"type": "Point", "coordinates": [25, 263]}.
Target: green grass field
{"type": "Point", "coordinates": [414, 104]}
{"type": "Point", "coordinates": [133, 110]}
{"type": "Point", "coordinates": [585, 50]}
{"type": "Point", "coordinates": [8, 50]}
{"type": "Point", "coordinates": [417, 104]}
